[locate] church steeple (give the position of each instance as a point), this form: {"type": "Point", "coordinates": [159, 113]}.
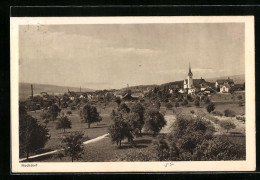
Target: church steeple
{"type": "Point", "coordinates": [190, 73]}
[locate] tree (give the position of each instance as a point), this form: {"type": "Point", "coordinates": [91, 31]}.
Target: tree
{"type": "Point", "coordinates": [177, 104]}
{"type": "Point", "coordinates": [118, 101]}
{"type": "Point", "coordinates": [227, 124]}
{"type": "Point", "coordinates": [123, 107]}
{"type": "Point", "coordinates": [73, 145]}
{"type": "Point", "coordinates": [53, 112]}
{"type": "Point", "coordinates": [69, 113]}
{"type": "Point", "coordinates": [154, 121]}
{"type": "Point", "coordinates": [138, 109]}
{"type": "Point", "coordinates": [197, 103]}
{"type": "Point", "coordinates": [89, 114]}
{"type": "Point", "coordinates": [32, 136]}
{"type": "Point", "coordinates": [120, 129]}
{"type": "Point", "coordinates": [157, 104]}
{"type": "Point", "coordinates": [229, 113]}
{"type": "Point", "coordinates": [63, 123]}
{"type": "Point", "coordinates": [210, 107]}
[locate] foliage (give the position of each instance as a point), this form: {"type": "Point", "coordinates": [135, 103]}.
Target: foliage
{"type": "Point", "coordinates": [73, 145]}
{"type": "Point", "coordinates": [154, 121]}
{"type": "Point", "coordinates": [123, 107]}
{"type": "Point", "coordinates": [53, 112]}
{"type": "Point", "coordinates": [242, 118]}
{"type": "Point", "coordinates": [73, 108]}
{"type": "Point", "coordinates": [217, 113]}
{"type": "Point", "coordinates": [169, 106]}
{"type": "Point", "coordinates": [210, 107]}
{"type": "Point", "coordinates": [229, 113]}
{"type": "Point", "coordinates": [157, 104]}
{"type": "Point", "coordinates": [185, 102]}
{"type": "Point", "coordinates": [89, 114]}
{"type": "Point", "coordinates": [32, 136]}
{"type": "Point", "coordinates": [69, 112]}
{"type": "Point", "coordinates": [227, 124]}
{"type": "Point", "coordinates": [118, 101]}
{"type": "Point", "coordinates": [177, 104]}
{"type": "Point", "coordinates": [186, 134]}
{"type": "Point", "coordinates": [138, 109]}
{"type": "Point", "coordinates": [120, 129]}
{"type": "Point", "coordinates": [192, 112]}
{"type": "Point", "coordinates": [241, 103]}
{"type": "Point", "coordinates": [63, 123]}
{"type": "Point", "coordinates": [207, 100]}
{"type": "Point", "coordinates": [136, 155]}
{"type": "Point", "coordinates": [197, 103]}
{"type": "Point", "coordinates": [219, 148]}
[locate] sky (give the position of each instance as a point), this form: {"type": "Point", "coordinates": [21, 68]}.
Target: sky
{"type": "Point", "coordinates": [108, 56]}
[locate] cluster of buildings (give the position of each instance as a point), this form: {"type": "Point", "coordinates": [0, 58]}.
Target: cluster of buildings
{"type": "Point", "coordinates": [192, 86]}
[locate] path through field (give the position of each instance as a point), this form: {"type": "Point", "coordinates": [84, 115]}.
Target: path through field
{"type": "Point", "coordinates": [55, 151]}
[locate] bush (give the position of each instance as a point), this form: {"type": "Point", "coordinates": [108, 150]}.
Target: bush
{"type": "Point", "coordinates": [136, 155]}
{"type": "Point", "coordinates": [69, 112]}
{"type": "Point", "coordinates": [210, 107]}
{"type": "Point", "coordinates": [73, 108]}
{"type": "Point", "coordinates": [217, 113]}
{"type": "Point", "coordinates": [227, 124]}
{"type": "Point", "coordinates": [207, 100]}
{"type": "Point", "coordinates": [241, 103]}
{"type": "Point", "coordinates": [169, 106]}
{"type": "Point", "coordinates": [185, 103]}
{"type": "Point", "coordinates": [177, 104]}
{"type": "Point", "coordinates": [229, 113]}
{"type": "Point", "coordinates": [197, 103]}
{"type": "Point", "coordinates": [241, 118]}
{"type": "Point", "coordinates": [192, 112]}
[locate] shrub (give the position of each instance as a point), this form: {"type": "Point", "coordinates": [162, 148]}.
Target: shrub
{"type": "Point", "coordinates": [197, 103]}
{"type": "Point", "coordinates": [241, 103]}
{"type": "Point", "coordinates": [185, 103]}
{"type": "Point", "coordinates": [177, 104]}
{"type": "Point", "coordinates": [241, 118]}
{"type": "Point", "coordinates": [210, 107]}
{"type": "Point", "coordinates": [227, 124]}
{"type": "Point", "coordinates": [192, 112]}
{"type": "Point", "coordinates": [217, 113]}
{"type": "Point", "coordinates": [136, 155]}
{"type": "Point", "coordinates": [73, 108]}
{"type": "Point", "coordinates": [169, 106]}
{"type": "Point", "coordinates": [207, 100]}
{"type": "Point", "coordinates": [229, 113]}
{"type": "Point", "coordinates": [240, 97]}
{"type": "Point", "coordinates": [69, 112]}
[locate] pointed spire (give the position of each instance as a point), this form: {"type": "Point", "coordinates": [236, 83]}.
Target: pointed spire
{"type": "Point", "coordinates": [190, 73]}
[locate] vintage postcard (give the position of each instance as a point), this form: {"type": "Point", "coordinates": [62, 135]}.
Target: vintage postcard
{"type": "Point", "coordinates": [132, 94]}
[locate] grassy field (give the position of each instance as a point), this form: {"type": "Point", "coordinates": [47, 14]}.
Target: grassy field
{"type": "Point", "coordinates": [96, 129]}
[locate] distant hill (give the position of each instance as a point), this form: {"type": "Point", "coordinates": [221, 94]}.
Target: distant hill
{"type": "Point", "coordinates": [238, 79]}
{"type": "Point", "coordinates": [25, 89]}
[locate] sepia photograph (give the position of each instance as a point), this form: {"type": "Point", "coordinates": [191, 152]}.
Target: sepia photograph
{"type": "Point", "coordinates": [132, 94]}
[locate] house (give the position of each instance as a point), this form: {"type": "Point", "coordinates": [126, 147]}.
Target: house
{"type": "Point", "coordinates": [228, 81]}
{"type": "Point", "coordinates": [224, 88]}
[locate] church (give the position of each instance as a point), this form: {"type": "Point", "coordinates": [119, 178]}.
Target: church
{"type": "Point", "coordinates": [188, 85]}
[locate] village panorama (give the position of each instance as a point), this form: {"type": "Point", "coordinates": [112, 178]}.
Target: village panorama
{"type": "Point", "coordinates": [186, 120]}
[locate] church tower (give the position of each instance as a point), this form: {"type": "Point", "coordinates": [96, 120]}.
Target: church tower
{"type": "Point", "coordinates": [190, 80]}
